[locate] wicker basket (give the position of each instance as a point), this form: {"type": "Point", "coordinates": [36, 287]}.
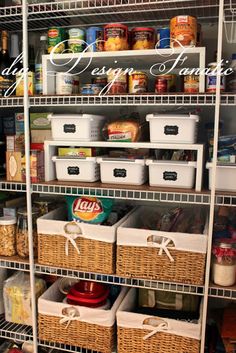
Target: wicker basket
{"type": "Point", "coordinates": [94, 329]}
{"type": "Point", "coordinates": [90, 247]}
{"type": "Point", "coordinates": [140, 254]}
{"type": "Point", "coordinates": [179, 337]}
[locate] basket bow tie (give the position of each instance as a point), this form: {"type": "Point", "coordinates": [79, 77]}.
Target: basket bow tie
{"type": "Point", "coordinates": [163, 247]}
{"type": "Point", "coordinates": [164, 326]}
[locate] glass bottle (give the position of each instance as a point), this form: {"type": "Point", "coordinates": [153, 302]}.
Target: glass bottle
{"type": "Point", "coordinates": [6, 80]}
{"type": "Point", "coordinates": [22, 240]}
{"type": "Point", "coordinates": [231, 79]}
{"type": "Point", "coordinates": [38, 65]}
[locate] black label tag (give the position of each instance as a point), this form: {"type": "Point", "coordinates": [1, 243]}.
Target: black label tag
{"type": "Point", "coordinates": [73, 170]}
{"type": "Point", "coordinates": [171, 130]}
{"type": "Point", "coordinates": [69, 128]}
{"type": "Point", "coordinates": [170, 176]}
{"type": "Point", "coordinates": [119, 173]}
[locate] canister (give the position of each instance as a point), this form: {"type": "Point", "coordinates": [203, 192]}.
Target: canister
{"type": "Point", "coordinates": [191, 84]}
{"type": "Point", "coordinates": [56, 35]}
{"type": "Point", "coordinates": [211, 79]}
{"type": "Point", "coordinates": [170, 82]}
{"type": "Point", "coordinates": [76, 40]}
{"type": "Point", "coordinates": [183, 31]}
{"type": "Point", "coordinates": [115, 37]}
{"type": "Point", "coordinates": [64, 83]}
{"type": "Point", "coordinates": [142, 38]}
{"type": "Point", "coordinates": [138, 82]}
{"type": "Point", "coordinates": [163, 38]}
{"type": "Point", "coordinates": [118, 85]}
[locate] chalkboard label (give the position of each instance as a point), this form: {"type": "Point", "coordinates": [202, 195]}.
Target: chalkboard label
{"type": "Point", "coordinates": [119, 173]}
{"type": "Point", "coordinates": [73, 170]}
{"type": "Point", "coordinates": [170, 176]}
{"type": "Point", "coordinates": [69, 128]}
{"type": "Point", "coordinates": [171, 130]}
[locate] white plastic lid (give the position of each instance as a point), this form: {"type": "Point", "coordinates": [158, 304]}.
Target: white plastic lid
{"type": "Point", "coordinates": [172, 116]}
{"type": "Point", "coordinates": [7, 221]}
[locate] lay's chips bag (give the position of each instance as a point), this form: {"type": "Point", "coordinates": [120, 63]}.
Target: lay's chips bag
{"type": "Point", "coordinates": [88, 209]}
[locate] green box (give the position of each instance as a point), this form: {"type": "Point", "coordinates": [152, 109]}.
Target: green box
{"type": "Point", "coordinates": [40, 121]}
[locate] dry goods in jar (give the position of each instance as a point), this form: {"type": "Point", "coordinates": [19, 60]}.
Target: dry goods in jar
{"type": "Point", "coordinates": [138, 82]}
{"type": "Point", "coordinates": [7, 236]}
{"type": "Point", "coordinates": [115, 37]}
{"type": "Point", "coordinates": [191, 84]}
{"type": "Point", "coordinates": [183, 31]}
{"type": "Point", "coordinates": [224, 262]}
{"type": "Point", "coordinates": [142, 38]}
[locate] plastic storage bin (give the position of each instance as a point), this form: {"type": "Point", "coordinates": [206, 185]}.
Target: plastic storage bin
{"type": "Point", "coordinates": [160, 255]}
{"type": "Point", "coordinates": [123, 171]}
{"type": "Point", "coordinates": [81, 127]}
{"type": "Point", "coordinates": [171, 174]}
{"type": "Point", "coordinates": [225, 176]}
{"type": "Point", "coordinates": [89, 328]}
{"type": "Point", "coordinates": [75, 168]}
{"type": "Point", "coordinates": [144, 333]}
{"type": "Point", "coordinates": [173, 128]}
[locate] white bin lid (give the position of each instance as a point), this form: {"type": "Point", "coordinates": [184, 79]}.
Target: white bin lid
{"type": "Point", "coordinates": [119, 160]}
{"type": "Point", "coordinates": [172, 116]}
{"type": "Point", "coordinates": [209, 165]}
{"type": "Point", "coordinates": [172, 163]}
{"type": "Point", "coordinates": [74, 158]}
{"type": "Point", "coordinates": [75, 116]}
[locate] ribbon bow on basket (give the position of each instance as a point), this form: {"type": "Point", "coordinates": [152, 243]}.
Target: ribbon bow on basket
{"type": "Point", "coordinates": [69, 315]}
{"type": "Point", "coordinates": [162, 245]}
{"type": "Point", "coordinates": [72, 232]}
{"type": "Point", "coordinates": [156, 325]}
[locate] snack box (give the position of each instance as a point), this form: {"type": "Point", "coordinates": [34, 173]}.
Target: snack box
{"type": "Point", "coordinates": [39, 136]}
{"type": "Point", "coordinates": [19, 123]}
{"type": "Point", "coordinates": [15, 142]}
{"type": "Point", "coordinates": [20, 85]}
{"type": "Point", "coordinates": [79, 151]}
{"type": "Point", "coordinates": [40, 121]}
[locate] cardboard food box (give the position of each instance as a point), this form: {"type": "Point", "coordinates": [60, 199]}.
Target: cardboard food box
{"type": "Point", "coordinates": [16, 170]}
{"type": "Point", "coordinates": [19, 123]}
{"type": "Point", "coordinates": [15, 142]}
{"type": "Point", "coordinates": [20, 85]}
{"type": "Point", "coordinates": [39, 136]}
{"type": "Point", "coordinates": [80, 152]}
{"type": "Point", "coordinates": [40, 121]}
{"type": "Point", "coordinates": [9, 127]}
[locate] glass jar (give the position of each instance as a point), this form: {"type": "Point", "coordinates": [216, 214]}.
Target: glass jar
{"type": "Point", "coordinates": [22, 241]}
{"type": "Point", "coordinates": [224, 262]}
{"type": "Point", "coordinates": [44, 206]}
{"type": "Point", "coordinates": [7, 236]}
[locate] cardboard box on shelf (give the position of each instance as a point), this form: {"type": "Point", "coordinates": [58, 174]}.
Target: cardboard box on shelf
{"type": "Point", "coordinates": [39, 136]}
{"type": "Point", "coordinates": [15, 166]}
{"type": "Point", "coordinates": [40, 121]}
{"type": "Point", "coordinates": [15, 142]}
{"type": "Point", "coordinates": [19, 123]}
{"type": "Point", "coordinates": [20, 85]}
{"type": "Point", "coordinates": [9, 126]}
{"type": "Point", "coordinates": [79, 151]}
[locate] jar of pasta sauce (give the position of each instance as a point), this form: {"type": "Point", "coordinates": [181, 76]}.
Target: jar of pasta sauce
{"type": "Point", "coordinates": [224, 262]}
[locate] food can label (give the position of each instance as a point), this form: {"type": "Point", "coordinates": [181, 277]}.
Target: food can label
{"type": "Point", "coordinates": [212, 81]}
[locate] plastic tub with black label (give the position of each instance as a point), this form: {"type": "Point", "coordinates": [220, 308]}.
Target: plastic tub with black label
{"type": "Point", "coordinates": [176, 174]}
{"type": "Point", "coordinates": [73, 168]}
{"type": "Point", "coordinates": [173, 128]}
{"type": "Point", "coordinates": [123, 171]}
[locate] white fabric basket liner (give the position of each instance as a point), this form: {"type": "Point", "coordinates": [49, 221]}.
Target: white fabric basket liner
{"type": "Point", "coordinates": [127, 319]}
{"type": "Point", "coordinates": [128, 235]}
{"type": "Point", "coordinates": [50, 303]}
{"type": "Point", "coordinates": [54, 223]}
{"type": "Point", "coordinates": [172, 116]}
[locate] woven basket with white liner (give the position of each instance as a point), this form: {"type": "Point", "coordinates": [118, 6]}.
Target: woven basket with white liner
{"type": "Point", "coordinates": [150, 334]}
{"type": "Point", "coordinates": [77, 325]}
{"type": "Point", "coordinates": [80, 246]}
{"type": "Point", "coordinates": [165, 256]}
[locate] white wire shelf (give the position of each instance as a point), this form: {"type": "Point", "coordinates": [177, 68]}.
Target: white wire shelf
{"type": "Point", "coordinates": [14, 263]}
{"type": "Point", "coordinates": [150, 99]}
{"type": "Point", "coordinates": [13, 331]}
{"type": "Point", "coordinates": [221, 292]}
{"type": "Point", "coordinates": [64, 347]}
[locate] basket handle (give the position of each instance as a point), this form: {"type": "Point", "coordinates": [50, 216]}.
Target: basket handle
{"type": "Point", "coordinates": [72, 231]}
{"type": "Point", "coordinates": [153, 242]}
{"type": "Point", "coordinates": [69, 314]}
{"type": "Point", "coordinates": [156, 324]}
{"type": "Point", "coordinates": [72, 228]}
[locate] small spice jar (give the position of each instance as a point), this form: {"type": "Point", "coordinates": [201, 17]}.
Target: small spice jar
{"type": "Point", "coordinates": [224, 262]}
{"type": "Point", "coordinates": [22, 240]}
{"type": "Point", "coordinates": [7, 236]}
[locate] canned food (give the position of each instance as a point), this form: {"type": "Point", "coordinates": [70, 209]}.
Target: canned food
{"type": "Point", "coordinates": [91, 88]}
{"type": "Point", "coordinates": [142, 38]}
{"type": "Point", "coordinates": [138, 82]}
{"type": "Point", "coordinates": [183, 31]}
{"type": "Point", "coordinates": [94, 39]}
{"type": "Point", "coordinates": [101, 81]}
{"type": "Point", "coordinates": [75, 88]}
{"type": "Point", "coordinates": [171, 82]}
{"type": "Point", "coordinates": [56, 35]}
{"type": "Point", "coordinates": [76, 40]}
{"type": "Point", "coordinates": [117, 84]}
{"type": "Point", "coordinates": [211, 80]}
{"type": "Point", "coordinates": [163, 38]}
{"type": "Point", "coordinates": [64, 83]}
{"type": "Point", "coordinates": [161, 85]}
{"type": "Point", "coordinates": [191, 84]}
{"type": "Point", "coordinates": [115, 37]}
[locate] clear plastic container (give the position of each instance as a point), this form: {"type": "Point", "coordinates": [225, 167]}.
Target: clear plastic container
{"type": "Point", "coordinates": [7, 236]}
{"type": "Point", "coordinates": [22, 240]}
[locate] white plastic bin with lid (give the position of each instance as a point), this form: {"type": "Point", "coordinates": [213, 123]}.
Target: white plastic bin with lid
{"type": "Point", "coordinates": [176, 174]}
{"type": "Point", "coordinates": [73, 168]}
{"type": "Point", "coordinates": [80, 127]}
{"type": "Point", "coordinates": [123, 171]}
{"type": "Point", "coordinates": [173, 128]}
{"type": "Point", "coordinates": [225, 176]}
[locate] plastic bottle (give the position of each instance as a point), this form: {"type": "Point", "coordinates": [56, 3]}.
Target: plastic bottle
{"type": "Point", "coordinates": [38, 65]}
{"type": "Point", "coordinates": [231, 86]}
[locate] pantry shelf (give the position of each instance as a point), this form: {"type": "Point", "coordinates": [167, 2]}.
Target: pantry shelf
{"type": "Point", "coordinates": [14, 263]}
{"type": "Point", "coordinates": [64, 347]}
{"type": "Point", "coordinates": [13, 331]}
{"type": "Point", "coordinates": [221, 292]}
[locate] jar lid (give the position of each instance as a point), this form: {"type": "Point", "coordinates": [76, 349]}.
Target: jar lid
{"type": "Point", "coordinates": [23, 211]}
{"type": "Point", "coordinates": [225, 243]}
{"type": "Point", "coordinates": [7, 221]}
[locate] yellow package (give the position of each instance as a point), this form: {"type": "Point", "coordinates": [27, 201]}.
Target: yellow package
{"type": "Point", "coordinates": [20, 85]}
